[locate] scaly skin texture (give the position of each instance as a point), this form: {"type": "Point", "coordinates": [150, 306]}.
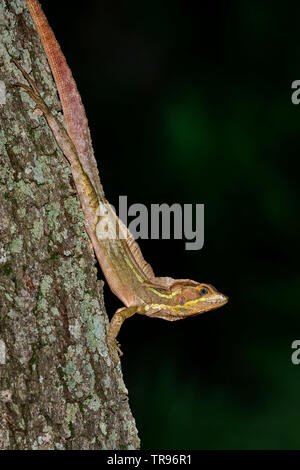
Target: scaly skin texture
{"type": "Point", "coordinates": [129, 276]}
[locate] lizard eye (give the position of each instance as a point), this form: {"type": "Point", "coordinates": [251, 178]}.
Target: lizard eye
{"type": "Point", "coordinates": [203, 291]}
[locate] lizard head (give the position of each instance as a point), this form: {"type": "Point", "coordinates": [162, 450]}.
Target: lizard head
{"type": "Point", "coordinates": [181, 298]}
{"type": "Point", "coordinates": [199, 298]}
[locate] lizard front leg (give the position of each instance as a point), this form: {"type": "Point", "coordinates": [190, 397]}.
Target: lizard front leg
{"type": "Point", "coordinates": [114, 328]}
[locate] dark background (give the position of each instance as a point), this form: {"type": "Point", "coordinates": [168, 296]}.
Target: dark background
{"type": "Point", "coordinates": [192, 104]}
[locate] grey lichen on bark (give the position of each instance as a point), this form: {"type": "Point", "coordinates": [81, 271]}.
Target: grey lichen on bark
{"type": "Point", "coordinates": [58, 387]}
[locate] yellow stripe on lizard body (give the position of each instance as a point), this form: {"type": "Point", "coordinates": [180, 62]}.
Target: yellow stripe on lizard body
{"type": "Point", "coordinates": [174, 307]}
{"type": "Point", "coordinates": [139, 278]}
{"type": "Point", "coordinates": [166, 296]}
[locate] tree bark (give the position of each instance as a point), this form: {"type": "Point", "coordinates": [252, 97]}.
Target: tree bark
{"type": "Point", "coordinates": [58, 387]}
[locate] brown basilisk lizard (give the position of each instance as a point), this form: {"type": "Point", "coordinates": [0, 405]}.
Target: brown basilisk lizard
{"type": "Point", "coordinates": [129, 276]}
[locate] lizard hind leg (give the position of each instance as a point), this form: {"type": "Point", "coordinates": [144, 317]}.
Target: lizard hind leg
{"type": "Point", "coordinates": [31, 89]}
{"type": "Point", "coordinates": [114, 328]}
{"type": "Point", "coordinates": [61, 136]}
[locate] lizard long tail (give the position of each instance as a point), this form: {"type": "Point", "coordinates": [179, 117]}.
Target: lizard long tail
{"type": "Point", "coordinates": [74, 113]}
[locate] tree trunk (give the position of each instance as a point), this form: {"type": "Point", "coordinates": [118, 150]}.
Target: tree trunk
{"type": "Point", "coordinates": [58, 388]}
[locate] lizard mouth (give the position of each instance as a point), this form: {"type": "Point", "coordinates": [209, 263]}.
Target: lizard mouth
{"type": "Point", "coordinates": [217, 299]}
{"type": "Point", "coordinates": [211, 303]}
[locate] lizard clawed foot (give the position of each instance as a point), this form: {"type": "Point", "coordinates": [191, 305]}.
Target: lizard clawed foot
{"type": "Point", "coordinates": [114, 328]}
{"type": "Point", "coordinates": [118, 348]}
{"type": "Point", "coordinates": [31, 90]}
{"type": "Point", "coordinates": [115, 352]}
